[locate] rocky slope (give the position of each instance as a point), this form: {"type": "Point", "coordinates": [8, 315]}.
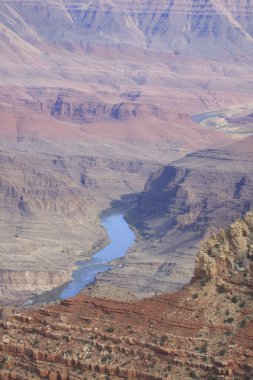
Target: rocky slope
{"type": "Point", "coordinates": [203, 331]}
{"type": "Point", "coordinates": [219, 29]}
{"type": "Point", "coordinates": [182, 203]}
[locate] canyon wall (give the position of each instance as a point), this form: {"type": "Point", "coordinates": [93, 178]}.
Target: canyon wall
{"type": "Point", "coordinates": [182, 203]}
{"type": "Point", "coordinates": [94, 97]}
{"type": "Point", "coordinates": [50, 206]}
{"type": "Point", "coordinates": [217, 29]}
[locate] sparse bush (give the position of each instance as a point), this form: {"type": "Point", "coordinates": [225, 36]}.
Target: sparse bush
{"type": "Point", "coordinates": [3, 361]}
{"type": "Point", "coordinates": [222, 289]}
{"type": "Point", "coordinates": [36, 342]}
{"type": "Point", "coordinates": [163, 340]}
{"type": "Point", "coordinates": [106, 358]}
{"type": "Point", "coordinates": [110, 329]}
{"type": "Point", "coordinates": [243, 323]}
{"type": "Point", "coordinates": [230, 320]}
{"type": "Point", "coordinates": [222, 352]}
{"type": "Point", "coordinates": [210, 252]}
{"type": "Point", "coordinates": [66, 337]}
{"type": "Point", "coordinates": [244, 233]}
{"type": "Point", "coordinates": [192, 374]}
{"type": "Point", "coordinates": [212, 377]}
{"type": "Point", "coordinates": [203, 348]}
{"type": "Point", "coordinates": [234, 299]}
{"type": "Point", "coordinates": [195, 296]}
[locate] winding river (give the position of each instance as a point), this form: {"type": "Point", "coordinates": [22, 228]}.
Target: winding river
{"type": "Point", "coordinates": [207, 115]}
{"type": "Point", "coordinates": [121, 238]}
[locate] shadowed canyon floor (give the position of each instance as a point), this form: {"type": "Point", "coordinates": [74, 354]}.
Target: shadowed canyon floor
{"type": "Point", "coordinates": [204, 331]}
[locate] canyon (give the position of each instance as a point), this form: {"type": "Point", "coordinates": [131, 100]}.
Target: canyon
{"type": "Point", "coordinates": [142, 108]}
{"type": "Point", "coordinates": [181, 204]}
{"type": "Point", "coordinates": [95, 99]}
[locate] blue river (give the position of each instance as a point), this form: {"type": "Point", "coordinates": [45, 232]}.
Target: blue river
{"type": "Point", "coordinates": [121, 238]}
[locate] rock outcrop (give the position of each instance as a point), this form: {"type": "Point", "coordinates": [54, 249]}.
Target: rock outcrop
{"type": "Point", "coordinates": [228, 255]}
{"type": "Point", "coordinates": [79, 107]}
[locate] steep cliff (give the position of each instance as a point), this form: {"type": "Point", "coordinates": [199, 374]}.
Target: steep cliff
{"type": "Point", "coordinates": [219, 29]}
{"type": "Point", "coordinates": [182, 203]}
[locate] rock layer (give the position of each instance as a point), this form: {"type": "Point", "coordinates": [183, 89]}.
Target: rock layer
{"type": "Point", "coordinates": [218, 29]}
{"type": "Point", "coordinates": [202, 331]}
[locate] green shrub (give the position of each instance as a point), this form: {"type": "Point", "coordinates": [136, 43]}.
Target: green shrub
{"type": "Point", "coordinates": [203, 348]}
{"type": "Point", "coordinates": [110, 330]}
{"type": "Point", "coordinates": [192, 374]}
{"type": "Point", "coordinates": [230, 320]}
{"type": "Point", "coordinates": [222, 352]}
{"type": "Point", "coordinates": [222, 289]}
{"type": "Point", "coordinates": [163, 340]}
